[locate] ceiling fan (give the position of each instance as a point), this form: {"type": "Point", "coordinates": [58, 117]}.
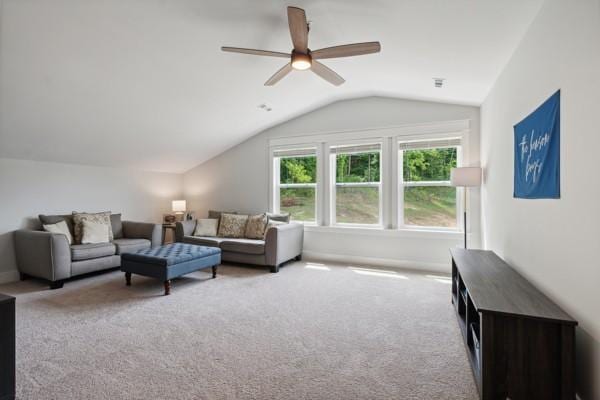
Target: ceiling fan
{"type": "Point", "coordinates": [302, 58]}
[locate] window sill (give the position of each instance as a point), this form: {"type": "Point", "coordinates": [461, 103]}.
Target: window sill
{"type": "Point", "coordinates": [378, 231]}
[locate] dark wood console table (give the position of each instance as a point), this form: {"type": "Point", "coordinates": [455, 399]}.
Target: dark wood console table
{"type": "Point", "coordinates": [520, 344]}
{"type": "Point", "coordinates": [7, 347]}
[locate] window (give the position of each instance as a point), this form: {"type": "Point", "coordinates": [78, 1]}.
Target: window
{"type": "Point", "coordinates": [296, 183]}
{"type": "Point", "coordinates": [426, 197]}
{"type": "Point", "coordinates": [392, 178]}
{"type": "Point", "coordinates": [356, 192]}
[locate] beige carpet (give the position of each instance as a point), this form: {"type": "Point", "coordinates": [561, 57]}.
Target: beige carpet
{"type": "Point", "coordinates": [313, 331]}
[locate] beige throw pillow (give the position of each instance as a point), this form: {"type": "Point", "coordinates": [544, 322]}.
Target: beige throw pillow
{"type": "Point", "coordinates": [206, 227]}
{"type": "Point", "coordinates": [60, 227]}
{"type": "Point", "coordinates": [233, 225]}
{"type": "Point", "coordinates": [101, 217]}
{"type": "Point", "coordinates": [94, 232]}
{"type": "Point", "coordinates": [255, 228]}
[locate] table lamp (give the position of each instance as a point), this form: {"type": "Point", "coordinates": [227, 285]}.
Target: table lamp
{"type": "Point", "coordinates": [178, 207]}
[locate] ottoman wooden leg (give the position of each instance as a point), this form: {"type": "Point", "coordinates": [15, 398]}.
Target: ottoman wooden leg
{"type": "Point", "coordinates": [128, 278]}
{"type": "Point", "coordinates": [214, 269]}
{"type": "Point", "coordinates": [167, 288]}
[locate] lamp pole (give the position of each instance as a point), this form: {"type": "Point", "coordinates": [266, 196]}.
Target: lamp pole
{"type": "Point", "coordinates": [465, 214]}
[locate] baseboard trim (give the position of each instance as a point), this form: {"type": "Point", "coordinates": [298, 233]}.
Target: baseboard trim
{"type": "Point", "coordinates": [378, 262]}
{"type": "Point", "coordinates": [9, 276]}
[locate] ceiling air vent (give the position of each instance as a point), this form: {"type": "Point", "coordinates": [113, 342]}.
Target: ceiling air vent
{"type": "Point", "coordinates": [438, 82]}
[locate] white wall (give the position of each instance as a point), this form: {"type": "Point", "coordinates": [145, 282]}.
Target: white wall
{"type": "Point", "coordinates": [554, 243]}
{"type": "Point", "coordinates": [29, 188]}
{"type": "Point", "coordinates": [238, 180]}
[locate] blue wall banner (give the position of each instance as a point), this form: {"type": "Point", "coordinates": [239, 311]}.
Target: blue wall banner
{"type": "Point", "coordinates": [537, 152]}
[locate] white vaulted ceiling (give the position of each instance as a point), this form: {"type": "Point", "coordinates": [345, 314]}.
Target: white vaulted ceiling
{"type": "Point", "coordinates": [143, 83]}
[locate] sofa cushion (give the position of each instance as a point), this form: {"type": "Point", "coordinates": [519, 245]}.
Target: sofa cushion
{"type": "Point", "coordinates": [131, 245]}
{"type": "Point", "coordinates": [233, 225]}
{"type": "Point", "coordinates": [88, 251]}
{"type": "Point", "coordinates": [282, 217]}
{"type": "Point", "coordinates": [117, 225]}
{"type": "Point", "coordinates": [94, 264]}
{"type": "Point", "coordinates": [212, 214]}
{"type": "Point", "coordinates": [203, 240]}
{"type": "Point", "coordinates": [78, 218]}
{"type": "Point", "coordinates": [53, 219]}
{"type": "Point", "coordinates": [246, 246]}
{"type": "Point", "coordinates": [255, 228]}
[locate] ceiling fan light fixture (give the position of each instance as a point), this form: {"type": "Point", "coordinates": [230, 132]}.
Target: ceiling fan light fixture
{"type": "Point", "coordinates": [301, 61]}
{"type": "Point", "coordinates": [302, 58]}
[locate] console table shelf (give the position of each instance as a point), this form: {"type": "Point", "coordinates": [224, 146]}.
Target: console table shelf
{"type": "Point", "coordinates": [520, 344]}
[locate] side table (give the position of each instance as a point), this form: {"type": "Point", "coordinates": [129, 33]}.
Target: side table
{"type": "Point", "coordinates": [166, 227]}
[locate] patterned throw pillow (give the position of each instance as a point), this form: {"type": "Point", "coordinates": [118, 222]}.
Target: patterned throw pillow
{"type": "Point", "coordinates": [213, 214]}
{"type": "Point", "coordinates": [255, 228]}
{"type": "Point", "coordinates": [232, 225]}
{"type": "Point", "coordinates": [101, 217]}
{"type": "Point", "coordinates": [272, 224]}
{"type": "Point", "coordinates": [206, 227]}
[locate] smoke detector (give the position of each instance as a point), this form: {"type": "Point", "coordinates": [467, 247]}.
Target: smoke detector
{"type": "Point", "coordinates": [264, 107]}
{"type": "Point", "coordinates": [438, 82]}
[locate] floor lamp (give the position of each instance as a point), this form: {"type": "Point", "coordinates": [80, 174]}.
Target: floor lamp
{"type": "Point", "coordinates": [465, 177]}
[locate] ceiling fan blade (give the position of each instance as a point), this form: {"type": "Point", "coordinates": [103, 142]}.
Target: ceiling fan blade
{"type": "Point", "coordinates": [256, 52]}
{"type": "Point", "coordinates": [347, 50]}
{"type": "Point", "coordinates": [298, 29]}
{"type": "Point", "coordinates": [279, 75]}
{"type": "Point", "coordinates": [326, 73]}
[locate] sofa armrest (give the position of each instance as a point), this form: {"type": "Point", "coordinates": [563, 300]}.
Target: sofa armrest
{"type": "Point", "coordinates": [184, 228]}
{"type": "Point", "coordinates": [43, 254]}
{"type": "Point", "coordinates": [143, 230]}
{"type": "Point", "coordinates": [283, 242]}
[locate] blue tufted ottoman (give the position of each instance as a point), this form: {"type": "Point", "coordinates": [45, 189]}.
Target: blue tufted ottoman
{"type": "Point", "coordinates": [170, 261]}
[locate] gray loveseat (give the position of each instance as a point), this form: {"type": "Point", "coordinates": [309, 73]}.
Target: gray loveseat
{"type": "Point", "coordinates": [49, 256]}
{"type": "Point", "coordinates": [282, 243]}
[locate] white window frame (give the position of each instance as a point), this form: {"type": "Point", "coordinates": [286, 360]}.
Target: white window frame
{"type": "Point", "coordinates": [275, 179]}
{"type": "Point", "coordinates": [391, 210]}
{"type": "Point", "coordinates": [333, 185]}
{"type": "Point", "coordinates": [402, 184]}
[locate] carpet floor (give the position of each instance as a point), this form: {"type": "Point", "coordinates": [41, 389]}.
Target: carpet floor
{"type": "Point", "coordinates": [312, 331]}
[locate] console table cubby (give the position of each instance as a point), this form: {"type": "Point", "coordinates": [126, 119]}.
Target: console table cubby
{"type": "Point", "coordinates": [521, 345]}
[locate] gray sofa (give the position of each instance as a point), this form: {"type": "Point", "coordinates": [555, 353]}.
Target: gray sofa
{"type": "Point", "coordinates": [49, 256]}
{"type": "Point", "coordinates": [282, 243]}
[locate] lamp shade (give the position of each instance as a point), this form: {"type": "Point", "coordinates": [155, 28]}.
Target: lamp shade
{"type": "Point", "coordinates": [178, 206]}
{"type": "Point", "coordinates": [465, 176]}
